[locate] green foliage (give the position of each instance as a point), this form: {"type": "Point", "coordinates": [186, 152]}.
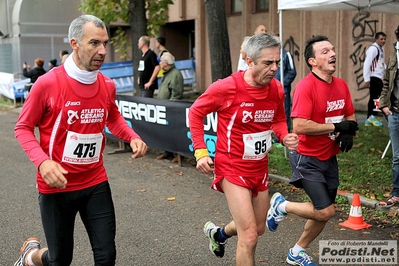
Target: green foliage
{"type": "Point", "coordinates": [361, 170]}
{"type": "Point", "coordinates": [107, 10]}
{"type": "Point", "coordinates": [157, 15]}
{"type": "Point", "coordinates": [121, 43]}
{"type": "Point", "coordinates": [118, 10]}
{"type": "Point", "coordinates": [341, 199]}
{"type": "Point", "coordinates": [5, 102]}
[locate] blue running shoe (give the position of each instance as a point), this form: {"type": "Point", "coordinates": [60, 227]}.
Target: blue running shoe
{"type": "Point", "coordinates": [274, 216]}
{"type": "Point", "coordinates": [217, 248]}
{"type": "Point", "coordinates": [373, 121]}
{"type": "Point", "coordinates": [302, 259]}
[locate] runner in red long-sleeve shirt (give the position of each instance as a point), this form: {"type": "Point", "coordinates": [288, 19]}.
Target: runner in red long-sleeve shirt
{"type": "Point", "coordinates": [71, 105]}
{"type": "Point", "coordinates": [249, 107]}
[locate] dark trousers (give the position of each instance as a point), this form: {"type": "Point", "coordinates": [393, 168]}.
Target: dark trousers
{"type": "Point", "coordinates": [146, 93]}
{"type": "Point", "coordinates": [96, 209]}
{"type": "Point", "coordinates": [375, 92]}
{"type": "Point", "coordinates": [287, 107]}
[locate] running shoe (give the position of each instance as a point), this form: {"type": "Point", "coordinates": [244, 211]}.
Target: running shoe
{"type": "Point", "coordinates": [217, 248]}
{"type": "Point", "coordinates": [373, 121]}
{"type": "Point", "coordinates": [389, 202]}
{"type": "Point", "coordinates": [28, 246]}
{"type": "Point", "coordinates": [274, 216]}
{"type": "Point", "coordinates": [302, 259]}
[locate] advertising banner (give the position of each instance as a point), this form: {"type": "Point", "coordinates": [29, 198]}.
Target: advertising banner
{"type": "Point", "coordinates": [6, 81]}
{"type": "Point", "coordinates": [163, 124]}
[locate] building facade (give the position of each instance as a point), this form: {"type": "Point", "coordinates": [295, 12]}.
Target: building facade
{"type": "Point", "coordinates": [39, 28]}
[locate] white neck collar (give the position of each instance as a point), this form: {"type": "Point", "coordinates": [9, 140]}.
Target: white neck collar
{"type": "Point", "coordinates": [83, 76]}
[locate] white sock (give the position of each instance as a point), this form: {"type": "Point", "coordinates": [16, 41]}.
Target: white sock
{"type": "Point", "coordinates": [296, 249]}
{"type": "Point", "coordinates": [281, 206]}
{"type": "Point", "coordinates": [29, 257]}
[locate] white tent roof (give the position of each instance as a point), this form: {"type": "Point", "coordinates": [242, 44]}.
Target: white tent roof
{"type": "Point", "coordinates": [383, 6]}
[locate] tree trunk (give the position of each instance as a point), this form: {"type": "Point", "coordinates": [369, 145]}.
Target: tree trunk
{"type": "Point", "coordinates": [218, 36]}
{"type": "Point", "coordinates": [138, 25]}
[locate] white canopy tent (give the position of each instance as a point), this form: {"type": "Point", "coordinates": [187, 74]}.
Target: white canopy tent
{"type": "Point", "coordinates": [382, 6]}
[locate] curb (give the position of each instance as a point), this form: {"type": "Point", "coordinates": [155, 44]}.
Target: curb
{"type": "Point", "coordinates": [365, 202]}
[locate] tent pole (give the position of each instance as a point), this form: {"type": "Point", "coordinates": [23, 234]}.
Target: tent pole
{"type": "Point", "coordinates": [281, 40]}
{"type": "Point", "coordinates": [281, 57]}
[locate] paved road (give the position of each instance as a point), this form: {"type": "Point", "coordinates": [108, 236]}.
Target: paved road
{"type": "Point", "coordinates": [151, 230]}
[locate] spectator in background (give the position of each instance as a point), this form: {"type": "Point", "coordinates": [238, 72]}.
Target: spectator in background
{"type": "Point", "coordinates": [241, 62]}
{"type": "Point", "coordinates": [171, 88]}
{"type": "Point", "coordinates": [260, 29]}
{"type": "Point", "coordinates": [160, 44]}
{"type": "Point", "coordinates": [373, 73]}
{"type": "Point", "coordinates": [289, 72]}
{"type": "Point", "coordinates": [244, 65]}
{"type": "Point", "coordinates": [63, 56]}
{"type": "Point", "coordinates": [148, 68]}
{"type": "Point", "coordinates": [35, 72]}
{"type": "Point", "coordinates": [389, 105]}
{"type": "Point", "coordinates": [52, 63]}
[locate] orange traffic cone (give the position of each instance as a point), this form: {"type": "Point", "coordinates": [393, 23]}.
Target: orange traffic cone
{"type": "Point", "coordinates": [355, 220]}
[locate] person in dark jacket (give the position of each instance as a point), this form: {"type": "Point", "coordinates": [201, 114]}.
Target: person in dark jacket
{"type": "Point", "coordinates": [148, 68]}
{"type": "Point", "coordinates": [63, 56]}
{"type": "Point", "coordinates": [389, 105]}
{"type": "Point", "coordinates": [52, 63]}
{"type": "Point", "coordinates": [35, 72]}
{"type": "Point", "coordinates": [289, 72]}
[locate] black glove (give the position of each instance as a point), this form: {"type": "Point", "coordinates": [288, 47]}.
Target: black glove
{"type": "Point", "coordinates": [345, 142]}
{"type": "Point", "coordinates": [346, 127]}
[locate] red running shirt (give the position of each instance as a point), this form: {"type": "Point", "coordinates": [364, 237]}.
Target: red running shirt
{"type": "Point", "coordinates": [322, 102]}
{"type": "Point", "coordinates": [71, 117]}
{"type": "Point", "coordinates": [245, 118]}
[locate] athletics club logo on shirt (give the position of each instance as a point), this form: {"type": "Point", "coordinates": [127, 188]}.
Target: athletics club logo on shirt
{"type": "Point", "coordinates": [246, 116]}
{"type": "Point", "coordinates": [72, 117]}
{"type": "Point", "coordinates": [262, 116]}
{"type": "Point", "coordinates": [86, 116]}
{"type": "Point", "coordinates": [335, 105]}
{"type": "Point", "coordinates": [93, 115]}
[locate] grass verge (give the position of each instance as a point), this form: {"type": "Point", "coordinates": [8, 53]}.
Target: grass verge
{"type": "Point", "coordinates": [5, 102]}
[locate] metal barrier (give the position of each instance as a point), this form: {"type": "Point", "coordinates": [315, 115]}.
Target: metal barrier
{"type": "Point", "coordinates": [122, 74]}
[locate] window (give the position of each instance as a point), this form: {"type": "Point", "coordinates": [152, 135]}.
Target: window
{"type": "Point", "coordinates": [260, 6]}
{"type": "Point", "coordinates": [233, 7]}
{"type": "Point", "coordinates": [236, 6]}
